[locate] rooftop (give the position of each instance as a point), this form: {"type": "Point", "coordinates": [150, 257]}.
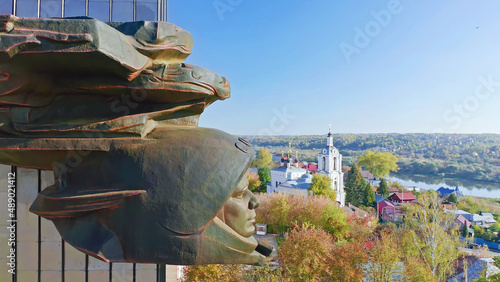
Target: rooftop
{"type": "Point", "coordinates": [289, 169]}
{"type": "Point", "coordinates": [302, 183]}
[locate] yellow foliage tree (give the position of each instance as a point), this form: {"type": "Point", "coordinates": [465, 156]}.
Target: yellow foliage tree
{"type": "Point", "coordinates": [380, 164]}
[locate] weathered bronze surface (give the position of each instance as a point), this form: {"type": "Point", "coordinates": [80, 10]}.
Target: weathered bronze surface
{"type": "Point", "coordinates": [113, 110]}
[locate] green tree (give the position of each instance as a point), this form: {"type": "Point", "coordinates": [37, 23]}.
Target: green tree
{"type": "Point", "coordinates": [322, 185]}
{"type": "Point", "coordinates": [382, 189]}
{"type": "Point", "coordinates": [355, 186]}
{"type": "Point", "coordinates": [465, 231]}
{"type": "Point", "coordinates": [264, 177]}
{"type": "Point", "coordinates": [380, 164]}
{"type": "Point", "coordinates": [369, 195]}
{"type": "Point", "coordinates": [496, 259]}
{"type": "Point", "coordinates": [452, 198]}
{"type": "Point", "coordinates": [264, 158]}
{"type": "Point", "coordinates": [495, 227]}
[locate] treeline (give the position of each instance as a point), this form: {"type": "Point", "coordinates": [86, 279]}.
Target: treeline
{"type": "Point", "coordinates": [466, 156]}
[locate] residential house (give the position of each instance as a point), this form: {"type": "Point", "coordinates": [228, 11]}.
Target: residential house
{"type": "Point", "coordinates": [484, 220]}
{"type": "Point", "coordinates": [444, 192]}
{"type": "Point", "coordinates": [461, 221]}
{"type": "Point", "coordinates": [392, 190]}
{"type": "Point", "coordinates": [366, 174]}
{"type": "Point", "coordinates": [448, 205]}
{"type": "Point", "coordinates": [378, 199]}
{"type": "Point", "coordinates": [399, 198]}
{"type": "Point", "coordinates": [388, 211]}
{"type": "Point", "coordinates": [474, 267]}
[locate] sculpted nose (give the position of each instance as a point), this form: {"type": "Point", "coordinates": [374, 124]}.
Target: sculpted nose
{"type": "Point", "coordinates": [254, 202]}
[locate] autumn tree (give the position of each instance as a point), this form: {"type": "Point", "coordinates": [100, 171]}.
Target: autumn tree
{"type": "Point", "coordinates": [383, 188]}
{"type": "Point", "coordinates": [279, 214]}
{"type": "Point", "coordinates": [380, 164]}
{"type": "Point", "coordinates": [322, 185]}
{"type": "Point", "coordinates": [282, 211]}
{"type": "Point", "coordinates": [264, 177]}
{"type": "Point", "coordinates": [384, 258]}
{"type": "Point", "coordinates": [355, 186]}
{"type": "Point", "coordinates": [346, 262]}
{"type": "Point", "coordinates": [333, 220]}
{"type": "Point", "coordinates": [264, 158]}
{"type": "Point", "coordinates": [304, 253]}
{"type": "Point", "coordinates": [214, 272]}
{"type": "Point", "coordinates": [417, 271]}
{"type": "Point", "coordinates": [254, 182]}
{"type": "Point", "coordinates": [433, 235]}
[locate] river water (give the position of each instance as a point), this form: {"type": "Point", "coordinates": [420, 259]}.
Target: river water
{"type": "Point", "coordinates": [468, 188]}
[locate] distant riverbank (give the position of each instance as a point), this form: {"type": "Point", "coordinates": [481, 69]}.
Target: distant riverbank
{"type": "Point", "coordinates": [469, 188]}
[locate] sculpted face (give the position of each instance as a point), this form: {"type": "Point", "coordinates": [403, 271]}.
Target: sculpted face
{"type": "Point", "coordinates": [239, 210]}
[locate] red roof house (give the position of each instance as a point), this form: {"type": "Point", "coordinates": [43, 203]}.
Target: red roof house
{"type": "Point", "coordinates": [310, 167]}
{"type": "Point", "coordinates": [384, 207]}
{"type": "Point", "coordinates": [461, 221]}
{"type": "Point", "coordinates": [405, 197]}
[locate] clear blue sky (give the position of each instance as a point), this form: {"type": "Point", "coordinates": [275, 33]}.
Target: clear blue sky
{"type": "Point", "coordinates": [363, 66]}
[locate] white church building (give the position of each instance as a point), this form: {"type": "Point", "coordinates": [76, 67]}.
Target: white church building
{"type": "Point", "coordinates": [291, 179]}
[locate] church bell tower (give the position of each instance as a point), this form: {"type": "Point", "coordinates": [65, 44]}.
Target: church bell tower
{"type": "Point", "coordinates": [330, 163]}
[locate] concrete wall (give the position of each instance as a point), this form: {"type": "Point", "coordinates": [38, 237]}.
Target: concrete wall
{"type": "Point", "coordinates": [35, 234]}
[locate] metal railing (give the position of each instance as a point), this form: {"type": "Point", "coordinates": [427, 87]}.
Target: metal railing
{"type": "Point", "coordinates": [161, 8]}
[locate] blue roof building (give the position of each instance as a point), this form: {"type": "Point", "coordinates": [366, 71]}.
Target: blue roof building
{"type": "Point", "coordinates": [446, 191]}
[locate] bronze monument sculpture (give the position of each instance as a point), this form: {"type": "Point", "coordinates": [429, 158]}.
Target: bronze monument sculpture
{"type": "Point", "coordinates": [113, 110]}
